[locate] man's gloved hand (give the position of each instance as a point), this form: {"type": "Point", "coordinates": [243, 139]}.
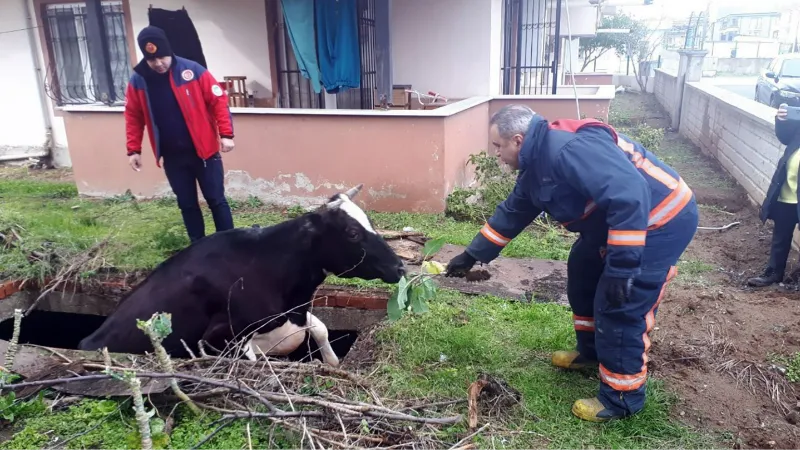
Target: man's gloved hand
{"type": "Point", "coordinates": [618, 290]}
{"type": "Point", "coordinates": [460, 265]}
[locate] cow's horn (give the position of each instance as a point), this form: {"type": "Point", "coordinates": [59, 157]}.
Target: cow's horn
{"type": "Point", "coordinates": [334, 204]}
{"type": "Point", "coordinates": [354, 191]}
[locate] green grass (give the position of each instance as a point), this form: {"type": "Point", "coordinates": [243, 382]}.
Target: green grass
{"type": "Point", "coordinates": [439, 354]}
{"type": "Point", "coordinates": [432, 356]}
{"type": "Point", "coordinates": [505, 339]}
{"type": "Point", "coordinates": [110, 424]}
{"type": "Point", "coordinates": [50, 215]}
{"type": "Point", "coordinates": [791, 363]}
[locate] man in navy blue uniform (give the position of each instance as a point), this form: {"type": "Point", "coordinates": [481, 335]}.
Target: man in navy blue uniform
{"type": "Point", "coordinates": [635, 216]}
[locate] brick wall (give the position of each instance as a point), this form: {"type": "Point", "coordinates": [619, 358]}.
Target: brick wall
{"type": "Point", "coordinates": [664, 89]}
{"type": "Point", "coordinates": [738, 132]}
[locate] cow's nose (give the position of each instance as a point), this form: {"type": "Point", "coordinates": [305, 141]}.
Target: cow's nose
{"type": "Point", "coordinates": [401, 270]}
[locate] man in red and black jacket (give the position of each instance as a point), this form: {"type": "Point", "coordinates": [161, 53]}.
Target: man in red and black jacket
{"type": "Point", "coordinates": [187, 118]}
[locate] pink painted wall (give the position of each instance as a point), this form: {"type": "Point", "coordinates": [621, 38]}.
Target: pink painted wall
{"type": "Point", "coordinates": [406, 162]}
{"type": "Point", "coordinates": [553, 109]}
{"type": "Point", "coordinates": [589, 79]}
{"type": "Point", "coordinates": [285, 159]}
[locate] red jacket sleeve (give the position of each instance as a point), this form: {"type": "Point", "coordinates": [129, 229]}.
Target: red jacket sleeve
{"type": "Point", "coordinates": [134, 120]}
{"type": "Point", "coordinates": [217, 101]}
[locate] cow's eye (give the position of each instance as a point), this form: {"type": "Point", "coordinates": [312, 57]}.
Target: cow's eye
{"type": "Point", "coordinates": [353, 235]}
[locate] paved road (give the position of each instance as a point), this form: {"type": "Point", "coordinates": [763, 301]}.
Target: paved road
{"type": "Point", "coordinates": [743, 86]}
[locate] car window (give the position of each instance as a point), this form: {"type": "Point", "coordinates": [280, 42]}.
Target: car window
{"type": "Point", "coordinates": [790, 68]}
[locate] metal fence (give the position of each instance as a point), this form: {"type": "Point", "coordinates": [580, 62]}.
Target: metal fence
{"type": "Point", "coordinates": [696, 32]}
{"type": "Point", "coordinates": [89, 61]}
{"type": "Point", "coordinates": [295, 91]}
{"type": "Point", "coordinates": [531, 48]}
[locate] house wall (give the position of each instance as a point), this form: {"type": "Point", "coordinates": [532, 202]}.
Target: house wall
{"type": "Point", "coordinates": [407, 160]}
{"type": "Point", "coordinates": [452, 47]}
{"type": "Point", "coordinates": [588, 79]}
{"type": "Point", "coordinates": [233, 34]}
{"type": "Point", "coordinates": [23, 128]}
{"type": "Point", "coordinates": [282, 159]}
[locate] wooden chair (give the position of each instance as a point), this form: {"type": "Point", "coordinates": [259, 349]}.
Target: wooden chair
{"type": "Point", "coordinates": [237, 91]}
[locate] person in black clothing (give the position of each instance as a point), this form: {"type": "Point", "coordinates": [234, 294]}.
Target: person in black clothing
{"type": "Point", "coordinates": [781, 203]}
{"type": "Point", "coordinates": [182, 106]}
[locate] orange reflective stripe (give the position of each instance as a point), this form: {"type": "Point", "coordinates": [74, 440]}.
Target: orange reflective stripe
{"type": "Point", "coordinates": [650, 317]}
{"type": "Point", "coordinates": [493, 236]}
{"type": "Point", "coordinates": [583, 323]}
{"type": "Point", "coordinates": [626, 146]}
{"type": "Point", "coordinates": [670, 206]}
{"type": "Point", "coordinates": [620, 382]}
{"type": "Point", "coordinates": [627, 238]}
{"type": "Point", "coordinates": [648, 167]}
{"type": "Point", "coordinates": [659, 174]}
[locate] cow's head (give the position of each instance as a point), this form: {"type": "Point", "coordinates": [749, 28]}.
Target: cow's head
{"type": "Point", "coordinates": [349, 246]}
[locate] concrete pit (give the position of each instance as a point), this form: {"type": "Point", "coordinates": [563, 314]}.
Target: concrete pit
{"type": "Point", "coordinates": [63, 319]}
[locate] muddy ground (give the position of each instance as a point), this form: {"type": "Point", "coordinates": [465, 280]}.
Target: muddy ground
{"type": "Point", "coordinates": [715, 338]}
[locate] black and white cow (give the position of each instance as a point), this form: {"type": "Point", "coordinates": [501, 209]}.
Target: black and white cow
{"type": "Point", "coordinates": [232, 284]}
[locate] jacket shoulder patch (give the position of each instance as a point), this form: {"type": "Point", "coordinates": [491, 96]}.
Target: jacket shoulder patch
{"type": "Point", "coordinates": [216, 90]}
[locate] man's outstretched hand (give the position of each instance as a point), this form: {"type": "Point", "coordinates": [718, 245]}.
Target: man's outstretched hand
{"type": "Point", "coordinates": [460, 265]}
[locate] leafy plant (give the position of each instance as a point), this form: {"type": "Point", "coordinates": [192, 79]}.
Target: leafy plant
{"type": "Point", "coordinates": [413, 294]}
{"type": "Point", "coordinates": [12, 409]}
{"type": "Point", "coordinates": [494, 185]}
{"type": "Point", "coordinates": [649, 137]}
{"type": "Point", "coordinates": [254, 202]}
{"type": "Point", "coordinates": [295, 211]}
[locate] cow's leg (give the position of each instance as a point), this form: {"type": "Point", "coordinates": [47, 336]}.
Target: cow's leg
{"type": "Point", "coordinates": [219, 331]}
{"type": "Point", "coordinates": [319, 332]}
{"type": "Point", "coordinates": [281, 341]}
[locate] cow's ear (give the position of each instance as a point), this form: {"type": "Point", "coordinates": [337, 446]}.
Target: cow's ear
{"type": "Point", "coordinates": [314, 224]}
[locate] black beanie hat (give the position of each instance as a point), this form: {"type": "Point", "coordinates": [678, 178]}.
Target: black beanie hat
{"type": "Point", "coordinates": [153, 43]}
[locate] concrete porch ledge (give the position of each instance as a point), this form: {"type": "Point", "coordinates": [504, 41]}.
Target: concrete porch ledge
{"type": "Point", "coordinates": [407, 160]}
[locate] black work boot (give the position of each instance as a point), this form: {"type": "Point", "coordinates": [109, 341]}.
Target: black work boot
{"type": "Point", "coordinates": [767, 278]}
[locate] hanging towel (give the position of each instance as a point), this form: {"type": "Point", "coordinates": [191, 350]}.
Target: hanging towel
{"type": "Point", "coordinates": [180, 32]}
{"type": "Point", "coordinates": [298, 15]}
{"type": "Point", "coordinates": [337, 44]}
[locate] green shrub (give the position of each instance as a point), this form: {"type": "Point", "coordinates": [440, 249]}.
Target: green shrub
{"type": "Point", "coordinates": [493, 186]}
{"type": "Point", "coordinates": [646, 135]}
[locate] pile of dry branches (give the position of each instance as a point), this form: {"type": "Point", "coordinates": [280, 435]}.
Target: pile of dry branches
{"type": "Point", "coordinates": [326, 406]}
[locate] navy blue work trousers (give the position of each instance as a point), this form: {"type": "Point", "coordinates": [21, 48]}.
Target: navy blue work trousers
{"type": "Point", "coordinates": [618, 335]}
{"type": "Point", "coordinates": [184, 174]}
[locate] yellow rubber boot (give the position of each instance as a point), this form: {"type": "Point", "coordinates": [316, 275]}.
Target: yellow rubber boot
{"type": "Point", "coordinates": [571, 360]}
{"type": "Point", "coordinates": [592, 410]}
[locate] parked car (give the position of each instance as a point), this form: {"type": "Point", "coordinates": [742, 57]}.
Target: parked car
{"type": "Point", "coordinates": [780, 82]}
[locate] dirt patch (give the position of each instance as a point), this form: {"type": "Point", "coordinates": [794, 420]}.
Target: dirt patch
{"type": "Point", "coordinates": [12, 172]}
{"type": "Point", "coordinates": [712, 347]}
{"type": "Point", "coordinates": [714, 338]}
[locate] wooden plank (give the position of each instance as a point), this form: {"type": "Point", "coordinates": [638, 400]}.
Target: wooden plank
{"type": "Point", "coordinates": [31, 361]}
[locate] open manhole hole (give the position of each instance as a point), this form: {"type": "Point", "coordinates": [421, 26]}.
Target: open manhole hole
{"type": "Point", "coordinates": [63, 319]}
